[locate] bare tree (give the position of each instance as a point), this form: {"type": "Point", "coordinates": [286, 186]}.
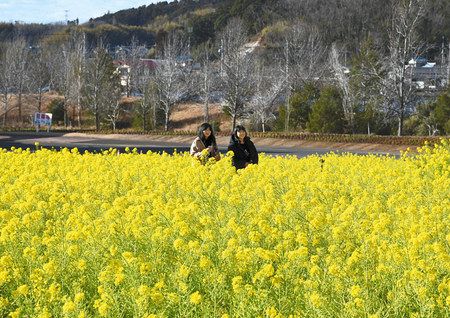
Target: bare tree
{"type": "Point", "coordinates": [136, 53]}
{"type": "Point", "coordinates": [60, 70]}
{"type": "Point", "coordinates": [77, 64]}
{"type": "Point", "coordinates": [131, 57]}
{"type": "Point", "coordinates": [112, 96]}
{"type": "Point", "coordinates": [145, 86]}
{"type": "Point", "coordinates": [365, 83]}
{"type": "Point", "coordinates": [38, 75]}
{"type": "Point", "coordinates": [148, 105]}
{"type": "Point", "coordinates": [403, 46]}
{"type": "Point", "coordinates": [207, 79]}
{"type": "Point", "coordinates": [99, 81]}
{"type": "Point", "coordinates": [18, 53]}
{"type": "Point", "coordinates": [236, 69]}
{"type": "Point", "coordinates": [6, 82]}
{"type": "Point", "coordinates": [342, 77]}
{"type": "Point", "coordinates": [170, 76]}
{"type": "Point", "coordinates": [303, 55]}
{"type": "Point", "coordinates": [269, 84]}
{"type": "Point", "coordinates": [66, 64]}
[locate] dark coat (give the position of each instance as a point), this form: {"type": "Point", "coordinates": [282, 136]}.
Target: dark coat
{"type": "Point", "coordinates": [243, 153]}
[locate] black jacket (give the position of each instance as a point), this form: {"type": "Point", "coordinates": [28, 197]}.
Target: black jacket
{"type": "Point", "coordinates": [243, 153]}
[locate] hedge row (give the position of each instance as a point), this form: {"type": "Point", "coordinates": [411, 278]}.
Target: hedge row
{"type": "Point", "coordinates": [316, 137]}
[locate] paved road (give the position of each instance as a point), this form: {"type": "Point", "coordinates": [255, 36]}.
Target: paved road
{"type": "Point", "coordinates": [96, 144]}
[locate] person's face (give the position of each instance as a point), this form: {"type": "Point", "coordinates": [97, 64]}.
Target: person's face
{"type": "Point", "coordinates": [241, 134]}
{"type": "Point", "coordinates": [207, 133]}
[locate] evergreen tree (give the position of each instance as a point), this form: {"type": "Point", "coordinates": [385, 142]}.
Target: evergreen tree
{"type": "Point", "coordinates": [327, 115]}
{"type": "Point", "coordinates": [300, 104]}
{"type": "Point", "coordinates": [442, 112]}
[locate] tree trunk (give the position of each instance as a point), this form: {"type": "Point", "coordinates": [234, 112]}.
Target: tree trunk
{"type": "Point", "coordinates": [97, 119]}
{"type": "Point", "coordinates": [40, 101]}
{"type": "Point", "coordinates": [400, 124]}
{"type": "Point", "coordinates": [144, 121]}
{"type": "Point", "coordinates": [288, 113]}
{"type": "Point", "coordinates": [401, 113]}
{"type": "Point", "coordinates": [166, 122]}
{"type": "Point", "coordinates": [206, 109]}
{"type": "Point", "coordinates": [154, 117]}
{"type": "Point", "coordinates": [234, 116]}
{"type": "Point", "coordinates": [19, 105]}
{"type": "Point", "coordinates": [66, 117]}
{"type": "Point", "coordinates": [79, 116]}
{"type": "Point", "coordinates": [5, 115]}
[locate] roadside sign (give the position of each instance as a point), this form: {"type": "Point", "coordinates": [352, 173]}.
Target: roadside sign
{"type": "Point", "coordinates": [43, 119]}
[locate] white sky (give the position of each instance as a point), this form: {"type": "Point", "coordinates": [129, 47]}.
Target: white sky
{"type": "Point", "coordinates": [47, 11]}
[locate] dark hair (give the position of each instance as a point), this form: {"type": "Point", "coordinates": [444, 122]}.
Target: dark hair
{"type": "Point", "coordinates": [203, 127]}
{"type": "Point", "coordinates": [239, 128]}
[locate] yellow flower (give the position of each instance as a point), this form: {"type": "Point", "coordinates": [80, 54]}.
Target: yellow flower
{"type": "Point", "coordinates": [81, 264]}
{"type": "Point", "coordinates": [128, 256]}
{"type": "Point", "coordinates": [79, 297]}
{"type": "Point", "coordinates": [118, 278]}
{"type": "Point", "coordinates": [4, 277]}
{"type": "Point", "coordinates": [145, 268]}
{"type": "Point", "coordinates": [271, 312]}
{"type": "Point", "coordinates": [205, 262]}
{"type": "Point", "coordinates": [49, 268]}
{"type": "Point", "coordinates": [22, 290]}
{"type": "Point", "coordinates": [195, 298]}
{"type": "Point", "coordinates": [143, 290]}
{"type": "Point", "coordinates": [15, 313]}
{"type": "Point", "coordinates": [174, 298]}
{"type": "Point", "coordinates": [315, 299]}
{"type": "Point", "coordinates": [3, 302]}
{"type": "Point", "coordinates": [355, 291]}
{"type": "Point", "coordinates": [68, 307]}
{"type": "Point", "coordinates": [82, 314]}
{"type": "Point", "coordinates": [184, 271]}
{"type": "Point", "coordinates": [265, 272]}
{"type": "Point", "coordinates": [236, 282]}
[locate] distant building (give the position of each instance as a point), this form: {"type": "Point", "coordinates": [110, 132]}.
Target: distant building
{"type": "Point", "coordinates": [123, 69]}
{"type": "Point", "coordinates": [427, 75]}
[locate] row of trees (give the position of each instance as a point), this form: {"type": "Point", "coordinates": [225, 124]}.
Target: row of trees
{"type": "Point", "coordinates": [86, 80]}
{"type": "Point", "coordinates": [300, 83]}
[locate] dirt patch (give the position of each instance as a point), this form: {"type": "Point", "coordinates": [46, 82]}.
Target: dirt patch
{"type": "Point", "coordinates": [189, 116]}
{"type": "Point", "coordinates": [30, 104]}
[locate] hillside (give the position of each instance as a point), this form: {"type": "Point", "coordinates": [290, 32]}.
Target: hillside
{"type": "Point", "coordinates": [347, 22]}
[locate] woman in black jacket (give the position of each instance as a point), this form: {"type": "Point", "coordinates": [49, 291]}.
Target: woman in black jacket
{"type": "Point", "coordinates": [243, 148]}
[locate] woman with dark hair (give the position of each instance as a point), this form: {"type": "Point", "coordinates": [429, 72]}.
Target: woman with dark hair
{"type": "Point", "coordinates": [205, 140]}
{"type": "Point", "coordinates": [243, 148]}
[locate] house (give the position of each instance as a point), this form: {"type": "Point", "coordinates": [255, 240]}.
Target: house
{"type": "Point", "coordinates": [123, 69]}
{"type": "Point", "coordinates": [427, 75]}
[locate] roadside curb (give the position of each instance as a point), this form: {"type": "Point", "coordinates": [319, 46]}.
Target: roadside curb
{"type": "Point", "coordinates": [222, 141]}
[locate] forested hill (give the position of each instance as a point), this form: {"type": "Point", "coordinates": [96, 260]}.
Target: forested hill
{"type": "Point", "coordinates": [146, 15]}
{"type": "Point", "coordinates": [348, 22]}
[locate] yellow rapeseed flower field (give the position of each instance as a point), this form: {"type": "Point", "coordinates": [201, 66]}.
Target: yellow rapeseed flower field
{"type": "Point", "coordinates": [150, 235]}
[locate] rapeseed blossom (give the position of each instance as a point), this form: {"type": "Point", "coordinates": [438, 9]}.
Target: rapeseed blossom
{"type": "Point", "coordinates": [154, 235]}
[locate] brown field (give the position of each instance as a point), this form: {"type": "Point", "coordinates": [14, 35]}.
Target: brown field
{"type": "Point", "coordinates": [186, 116]}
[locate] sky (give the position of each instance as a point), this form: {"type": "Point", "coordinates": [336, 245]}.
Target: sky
{"type": "Point", "coordinates": [48, 11]}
